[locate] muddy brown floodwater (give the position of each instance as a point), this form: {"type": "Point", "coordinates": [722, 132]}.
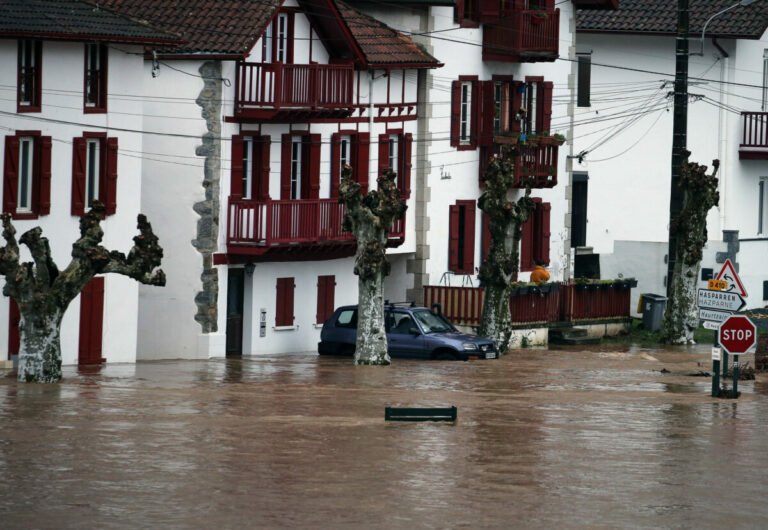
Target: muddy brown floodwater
{"type": "Point", "coordinates": [551, 438]}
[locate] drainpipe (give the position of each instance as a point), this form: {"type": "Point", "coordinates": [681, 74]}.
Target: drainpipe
{"type": "Point", "coordinates": [370, 119]}
{"type": "Point", "coordinates": [722, 119]}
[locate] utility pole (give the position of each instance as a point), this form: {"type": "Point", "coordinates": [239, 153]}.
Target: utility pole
{"type": "Point", "coordinates": [679, 132]}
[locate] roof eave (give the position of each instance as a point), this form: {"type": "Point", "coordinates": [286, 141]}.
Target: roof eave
{"type": "Point", "coordinates": [667, 34]}
{"type": "Point", "coordinates": [86, 38]}
{"type": "Point", "coordinates": [405, 66]}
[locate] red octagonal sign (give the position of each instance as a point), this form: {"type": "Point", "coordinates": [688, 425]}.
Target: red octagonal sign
{"type": "Point", "coordinates": [738, 335]}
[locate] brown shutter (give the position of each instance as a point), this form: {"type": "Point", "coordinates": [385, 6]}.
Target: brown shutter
{"type": "Point", "coordinates": [468, 265]}
{"type": "Point", "coordinates": [238, 152]}
{"type": "Point", "coordinates": [335, 164]}
{"type": "Point", "coordinates": [265, 144]}
{"type": "Point", "coordinates": [383, 153]}
{"type": "Point", "coordinates": [11, 174]}
{"type": "Point", "coordinates": [453, 248]}
{"type": "Point", "coordinates": [475, 110]}
{"type": "Point", "coordinates": [406, 153]}
{"type": "Point", "coordinates": [325, 297]}
{"type": "Point", "coordinates": [285, 168]}
{"type": "Point", "coordinates": [527, 240]}
{"type": "Point", "coordinates": [544, 114]}
{"type": "Point", "coordinates": [517, 102]}
{"type": "Point", "coordinates": [487, 113]}
{"type": "Point", "coordinates": [315, 142]}
{"type": "Point", "coordinates": [455, 112]}
{"type": "Point", "coordinates": [544, 231]}
{"type": "Point", "coordinates": [78, 176]}
{"type": "Point", "coordinates": [14, 319]}
{"type": "Point", "coordinates": [111, 192]}
{"type": "Point", "coordinates": [280, 303]}
{"type": "Point", "coordinates": [486, 235]}
{"type": "Point", "coordinates": [363, 160]}
{"type": "Point", "coordinates": [44, 197]}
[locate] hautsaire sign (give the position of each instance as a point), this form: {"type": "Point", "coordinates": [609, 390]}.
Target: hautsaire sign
{"type": "Point", "coordinates": [720, 300]}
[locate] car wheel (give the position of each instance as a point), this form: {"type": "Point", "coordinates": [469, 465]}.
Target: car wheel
{"type": "Point", "coordinates": [445, 356]}
{"type": "Point", "coordinates": [347, 349]}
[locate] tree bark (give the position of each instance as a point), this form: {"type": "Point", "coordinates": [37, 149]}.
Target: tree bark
{"type": "Point", "coordinates": [498, 271]}
{"type": "Point", "coordinates": [43, 292]}
{"type": "Point", "coordinates": [369, 219]}
{"type": "Point", "coordinates": [700, 194]}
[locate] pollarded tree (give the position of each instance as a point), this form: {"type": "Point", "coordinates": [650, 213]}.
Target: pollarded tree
{"type": "Point", "coordinates": [369, 218]}
{"type": "Point", "coordinates": [43, 292]}
{"type": "Point", "coordinates": [681, 318]}
{"type": "Point", "coordinates": [505, 223]}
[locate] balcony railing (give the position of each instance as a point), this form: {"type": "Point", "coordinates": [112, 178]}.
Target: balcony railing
{"type": "Point", "coordinates": [754, 139]}
{"type": "Point", "coordinates": [522, 36]}
{"type": "Point", "coordinates": [273, 223]}
{"type": "Point", "coordinates": [537, 162]}
{"type": "Point", "coordinates": [277, 86]}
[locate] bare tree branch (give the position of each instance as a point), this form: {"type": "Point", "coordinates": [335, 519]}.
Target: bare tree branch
{"type": "Point", "coordinates": [45, 269]}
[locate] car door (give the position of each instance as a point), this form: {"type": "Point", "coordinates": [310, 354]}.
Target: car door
{"type": "Point", "coordinates": [404, 336]}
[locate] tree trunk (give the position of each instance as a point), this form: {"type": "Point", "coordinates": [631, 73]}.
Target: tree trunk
{"type": "Point", "coordinates": [682, 315]}
{"type": "Point", "coordinates": [496, 323]}
{"type": "Point", "coordinates": [371, 334]}
{"type": "Point", "coordinates": [40, 347]}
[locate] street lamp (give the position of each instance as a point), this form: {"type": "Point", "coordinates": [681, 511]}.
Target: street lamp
{"type": "Point", "coordinates": [741, 3]}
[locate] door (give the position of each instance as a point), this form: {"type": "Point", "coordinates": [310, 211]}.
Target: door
{"type": "Point", "coordinates": [404, 336]}
{"type": "Point", "coordinates": [91, 322]}
{"type": "Point", "coordinates": [579, 211]}
{"type": "Point", "coordinates": [235, 296]}
{"type": "Point", "coordinates": [14, 318]}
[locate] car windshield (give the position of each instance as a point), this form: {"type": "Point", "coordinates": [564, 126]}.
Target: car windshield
{"type": "Point", "coordinates": [431, 323]}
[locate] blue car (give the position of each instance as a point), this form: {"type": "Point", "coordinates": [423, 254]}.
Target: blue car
{"type": "Point", "coordinates": [412, 332]}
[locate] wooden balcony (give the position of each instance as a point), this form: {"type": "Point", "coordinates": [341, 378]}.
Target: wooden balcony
{"type": "Point", "coordinates": [754, 138]}
{"type": "Point", "coordinates": [522, 36]}
{"type": "Point", "coordinates": [301, 230]}
{"type": "Point", "coordinates": [293, 91]}
{"type": "Point", "coordinates": [536, 160]}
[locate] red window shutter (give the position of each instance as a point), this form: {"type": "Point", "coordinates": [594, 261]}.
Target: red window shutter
{"type": "Point", "coordinates": [44, 197]}
{"type": "Point", "coordinates": [487, 113]}
{"type": "Point", "coordinates": [489, 10]}
{"type": "Point", "coordinates": [11, 174]}
{"type": "Point", "coordinates": [325, 296]}
{"type": "Point", "coordinates": [453, 248]}
{"type": "Point", "coordinates": [544, 116]}
{"type": "Point", "coordinates": [280, 303]}
{"type": "Point", "coordinates": [517, 102]}
{"type": "Point", "coordinates": [78, 176]}
{"type": "Point", "coordinates": [285, 168]}
{"type": "Point", "coordinates": [110, 199]}
{"type": "Point", "coordinates": [262, 188]}
{"type": "Point", "coordinates": [528, 242]}
{"type": "Point", "coordinates": [407, 155]}
{"type": "Point", "coordinates": [315, 142]}
{"type": "Point", "coordinates": [236, 184]}
{"type": "Point", "coordinates": [291, 26]}
{"type": "Point", "coordinates": [289, 288]}
{"type": "Point", "coordinates": [468, 267]}
{"type": "Point", "coordinates": [14, 319]}
{"type": "Point", "coordinates": [475, 125]}
{"type": "Point", "coordinates": [544, 232]}
{"type": "Point", "coordinates": [384, 153]}
{"type": "Point", "coordinates": [455, 112]}
{"type": "Point", "coordinates": [363, 160]}
{"type": "Point", "coordinates": [486, 235]}
{"type": "Point", "coordinates": [335, 164]}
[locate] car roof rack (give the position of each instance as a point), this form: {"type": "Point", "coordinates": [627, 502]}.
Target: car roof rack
{"type": "Point", "coordinates": [399, 304]}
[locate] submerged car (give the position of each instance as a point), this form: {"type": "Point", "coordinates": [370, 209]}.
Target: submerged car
{"type": "Point", "coordinates": [412, 332]}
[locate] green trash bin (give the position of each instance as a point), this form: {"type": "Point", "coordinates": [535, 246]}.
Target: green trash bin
{"type": "Point", "coordinates": [653, 311]}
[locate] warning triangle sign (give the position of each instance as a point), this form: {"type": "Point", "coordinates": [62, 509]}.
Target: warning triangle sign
{"type": "Point", "coordinates": [728, 274]}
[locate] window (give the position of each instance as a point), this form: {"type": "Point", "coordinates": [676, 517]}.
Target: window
{"type": "Point", "coordinates": [764, 105]}
{"type": "Point", "coordinates": [247, 176]}
{"type": "Point", "coordinates": [300, 167]}
{"type": "Point", "coordinates": [399, 323]}
{"type": "Point", "coordinates": [250, 167]}
{"type": "Point", "coordinates": [27, 175]}
{"type": "Point", "coordinates": [95, 91]}
{"type": "Point", "coordinates": [94, 172]}
{"type": "Point", "coordinates": [277, 42]}
{"type": "Point", "coordinates": [498, 104]}
{"type": "Point", "coordinates": [347, 319]}
{"type": "Point", "coordinates": [534, 113]}
{"type": "Point", "coordinates": [29, 76]}
{"type": "Point", "coordinates": [395, 149]}
{"type": "Point", "coordinates": [762, 209]}
{"type": "Point", "coordinates": [461, 251]}
{"type": "Point", "coordinates": [464, 107]}
{"type": "Point", "coordinates": [325, 297]}
{"type": "Point", "coordinates": [284, 303]}
{"type": "Point", "coordinates": [353, 149]}
{"type": "Point", "coordinates": [534, 245]}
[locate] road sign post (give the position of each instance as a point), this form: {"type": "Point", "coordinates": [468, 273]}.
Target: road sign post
{"type": "Point", "coordinates": [715, 366]}
{"type": "Point", "coordinates": [737, 335]}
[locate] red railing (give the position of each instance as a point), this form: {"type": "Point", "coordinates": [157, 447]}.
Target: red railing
{"type": "Point", "coordinates": [522, 35]}
{"type": "Point", "coordinates": [277, 85]}
{"type": "Point", "coordinates": [538, 162]}
{"type": "Point", "coordinates": [268, 223]}
{"type": "Point", "coordinates": [754, 139]}
{"type": "Point", "coordinates": [464, 305]}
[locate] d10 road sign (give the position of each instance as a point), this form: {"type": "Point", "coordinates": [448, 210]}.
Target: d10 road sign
{"type": "Point", "coordinates": [720, 300]}
{"type": "Point", "coordinates": [738, 335]}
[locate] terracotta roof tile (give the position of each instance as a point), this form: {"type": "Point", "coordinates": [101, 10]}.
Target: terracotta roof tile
{"type": "Point", "coordinates": [660, 17]}
{"type": "Point", "coordinates": [74, 19]}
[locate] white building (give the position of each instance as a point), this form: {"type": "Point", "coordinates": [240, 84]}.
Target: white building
{"type": "Point", "coordinates": [621, 203]}
{"type": "Point", "coordinates": [71, 120]}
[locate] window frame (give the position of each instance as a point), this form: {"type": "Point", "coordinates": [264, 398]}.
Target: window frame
{"type": "Point", "coordinates": [461, 240]}
{"type": "Point", "coordinates": [28, 178]}
{"type": "Point", "coordinates": [99, 105]}
{"type": "Point", "coordinates": [296, 172]}
{"type": "Point", "coordinates": [762, 206]}
{"type": "Point", "coordinates": [471, 118]}
{"type": "Point", "coordinates": [39, 188]}
{"type": "Point", "coordinates": [34, 103]}
{"type": "Point", "coordinates": [272, 37]}
{"type": "Point", "coordinates": [93, 171]}
{"type": "Point", "coordinates": [465, 113]}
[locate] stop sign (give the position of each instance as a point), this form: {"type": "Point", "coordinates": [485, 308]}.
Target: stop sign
{"type": "Point", "coordinates": [738, 335]}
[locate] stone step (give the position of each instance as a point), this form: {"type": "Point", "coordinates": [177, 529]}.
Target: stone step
{"type": "Point", "coordinates": [572, 336]}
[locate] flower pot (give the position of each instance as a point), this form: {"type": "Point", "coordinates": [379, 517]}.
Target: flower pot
{"type": "Point", "coordinates": [506, 140]}
{"type": "Point", "coordinates": [523, 290]}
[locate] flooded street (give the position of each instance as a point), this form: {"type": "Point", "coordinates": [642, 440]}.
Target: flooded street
{"type": "Point", "coordinates": [569, 438]}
